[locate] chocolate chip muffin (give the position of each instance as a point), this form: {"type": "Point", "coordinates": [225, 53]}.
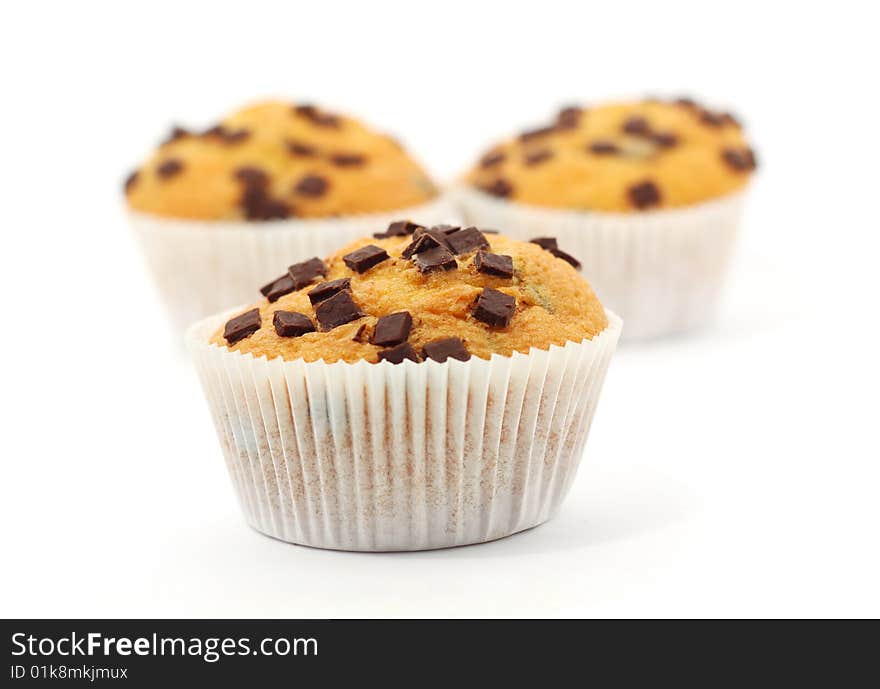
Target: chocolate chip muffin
{"type": "Point", "coordinates": [647, 194]}
{"type": "Point", "coordinates": [419, 293]}
{"type": "Point", "coordinates": [425, 387]}
{"type": "Point", "coordinates": [622, 157]}
{"type": "Point", "coordinates": [277, 160]}
{"type": "Point", "coordinates": [214, 208]}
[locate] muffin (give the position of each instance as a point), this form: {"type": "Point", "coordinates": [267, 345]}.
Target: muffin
{"type": "Point", "coordinates": [421, 388]}
{"type": "Point", "coordinates": [215, 209]}
{"type": "Point", "coordinates": [648, 194]}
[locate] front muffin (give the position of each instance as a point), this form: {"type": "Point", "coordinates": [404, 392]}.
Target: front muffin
{"type": "Point", "coordinates": [621, 157]}
{"type": "Point", "coordinates": [429, 293]}
{"type": "Point", "coordinates": [277, 160]}
{"type": "Point", "coordinates": [424, 388]}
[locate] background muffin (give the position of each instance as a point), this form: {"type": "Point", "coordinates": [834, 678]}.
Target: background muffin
{"type": "Point", "coordinates": [647, 194]}
{"type": "Point", "coordinates": [214, 209]}
{"type": "Point", "coordinates": [421, 390]}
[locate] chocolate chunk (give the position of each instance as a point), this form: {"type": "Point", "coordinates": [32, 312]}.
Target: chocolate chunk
{"type": "Point", "coordinates": [175, 134]}
{"type": "Point", "coordinates": [545, 242]}
{"type": "Point", "coordinates": [258, 205]}
{"type": "Point", "coordinates": [741, 160]}
{"type": "Point", "coordinates": [664, 139]}
{"type": "Point", "coordinates": [401, 228]}
{"type": "Point", "coordinates": [644, 195]}
{"type": "Point", "coordinates": [278, 288]}
{"type": "Point", "coordinates": [242, 326]}
{"type": "Point", "coordinates": [494, 264]}
{"type": "Point", "coordinates": [226, 135]}
{"type": "Point", "coordinates": [348, 159]}
{"type": "Point", "coordinates": [361, 334]}
{"type": "Point", "coordinates": [292, 324]}
{"type": "Point", "coordinates": [467, 240]}
{"type": "Point", "coordinates": [487, 230]}
{"type": "Point", "coordinates": [392, 330]}
{"type": "Point", "coordinates": [424, 239]}
{"type": "Point", "coordinates": [568, 258]}
{"type": "Point", "coordinates": [298, 148]}
{"type": "Point", "coordinates": [568, 118]}
{"type": "Point", "coordinates": [492, 158]}
{"type": "Point", "coordinates": [441, 350]}
{"type": "Point", "coordinates": [531, 134]}
{"type": "Point", "coordinates": [361, 260]}
{"type": "Point", "coordinates": [637, 126]}
{"type": "Point", "coordinates": [500, 187]}
{"type": "Point", "coordinates": [306, 272]}
{"type": "Point", "coordinates": [327, 289]}
{"type": "Point", "coordinates": [337, 310]}
{"type": "Point", "coordinates": [169, 168]}
{"type": "Point", "coordinates": [130, 181]}
{"type": "Point", "coordinates": [438, 258]}
{"type": "Point", "coordinates": [316, 116]}
{"type": "Point", "coordinates": [603, 147]}
{"type": "Point", "coordinates": [536, 157]}
{"type": "Point", "coordinates": [712, 119]}
{"type": "Point", "coordinates": [312, 185]}
{"type": "Point", "coordinates": [397, 354]}
{"type": "Point", "coordinates": [494, 308]}
{"type": "Point", "coordinates": [251, 176]}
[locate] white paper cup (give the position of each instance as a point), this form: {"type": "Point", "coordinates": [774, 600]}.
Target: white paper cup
{"type": "Point", "coordinates": [662, 271]}
{"type": "Point", "coordinates": [377, 457]}
{"type": "Point", "coordinates": [201, 267]}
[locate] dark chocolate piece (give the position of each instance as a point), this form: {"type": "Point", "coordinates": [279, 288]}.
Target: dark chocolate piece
{"type": "Point", "coordinates": [258, 205]}
{"type": "Point", "coordinates": [494, 308]}
{"type": "Point", "coordinates": [312, 185]}
{"type": "Point", "coordinates": [665, 139]}
{"type": "Point", "coordinates": [251, 176]}
{"type": "Point", "coordinates": [278, 288]}
{"type": "Point", "coordinates": [500, 187]}
{"type": "Point", "coordinates": [446, 229]}
{"type": "Point", "coordinates": [242, 326]}
{"type": "Point", "coordinates": [545, 242]}
{"type": "Point", "coordinates": [494, 264]}
{"type": "Point", "coordinates": [327, 289]}
{"type": "Point", "coordinates": [644, 195]}
{"type": "Point", "coordinates": [337, 310]}
{"type": "Point", "coordinates": [467, 240]}
{"type": "Point", "coordinates": [603, 147]}
{"type": "Point", "coordinates": [424, 239]}
{"type": "Point", "coordinates": [298, 148]}
{"type": "Point", "coordinates": [568, 258]}
{"type": "Point", "coordinates": [441, 350]}
{"type": "Point", "coordinates": [531, 134]}
{"type": "Point", "coordinates": [712, 119]}
{"type": "Point", "coordinates": [361, 334]}
{"type": "Point", "coordinates": [392, 330]}
{"type": "Point", "coordinates": [568, 118]}
{"type": "Point", "coordinates": [225, 135]}
{"type": "Point", "coordinates": [741, 160]}
{"type": "Point", "coordinates": [175, 134]}
{"type": "Point", "coordinates": [537, 157]}
{"type": "Point", "coordinates": [348, 159]}
{"type": "Point", "coordinates": [316, 116]}
{"type": "Point", "coordinates": [401, 228]}
{"type": "Point", "coordinates": [305, 272]}
{"type": "Point", "coordinates": [637, 126]}
{"type": "Point", "coordinates": [397, 354]}
{"type": "Point", "coordinates": [361, 260]}
{"type": "Point", "coordinates": [492, 158]}
{"type": "Point", "coordinates": [292, 324]}
{"type": "Point", "coordinates": [438, 258]}
{"type": "Point", "coordinates": [169, 168]}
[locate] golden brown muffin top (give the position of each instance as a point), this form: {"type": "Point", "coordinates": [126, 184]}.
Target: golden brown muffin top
{"type": "Point", "coordinates": [418, 293]}
{"type": "Point", "coordinates": [621, 157]}
{"type": "Point", "coordinates": [276, 160]}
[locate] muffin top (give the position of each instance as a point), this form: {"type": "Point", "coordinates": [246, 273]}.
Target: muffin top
{"type": "Point", "coordinates": [621, 157]}
{"type": "Point", "coordinates": [276, 160]}
{"type": "Point", "coordinates": [418, 293]}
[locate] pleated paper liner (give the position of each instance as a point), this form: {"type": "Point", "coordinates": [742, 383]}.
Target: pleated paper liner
{"type": "Point", "coordinates": [662, 271]}
{"type": "Point", "coordinates": [202, 267]}
{"type": "Point", "coordinates": [383, 457]}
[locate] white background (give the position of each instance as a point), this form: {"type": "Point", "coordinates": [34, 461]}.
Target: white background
{"type": "Point", "coordinates": [731, 473]}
